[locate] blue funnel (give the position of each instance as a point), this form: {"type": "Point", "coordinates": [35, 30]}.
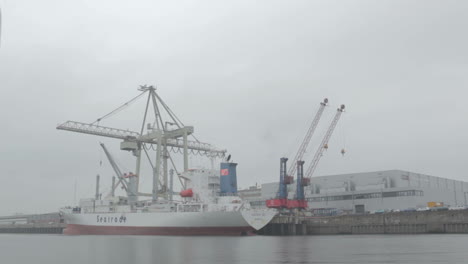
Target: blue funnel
{"type": "Point", "coordinates": [228, 178]}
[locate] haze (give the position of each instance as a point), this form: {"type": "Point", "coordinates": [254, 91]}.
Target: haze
{"type": "Point", "coordinates": [248, 75]}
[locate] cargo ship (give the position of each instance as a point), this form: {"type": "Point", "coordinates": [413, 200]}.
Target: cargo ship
{"type": "Point", "coordinates": [207, 204]}
{"type": "Point", "coordinates": [201, 211]}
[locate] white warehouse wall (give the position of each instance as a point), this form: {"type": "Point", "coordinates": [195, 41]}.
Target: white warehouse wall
{"type": "Point", "coordinates": [412, 190]}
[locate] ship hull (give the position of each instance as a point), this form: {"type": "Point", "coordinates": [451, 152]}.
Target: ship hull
{"type": "Point", "coordinates": [157, 231]}
{"type": "Point", "coordinates": [184, 223]}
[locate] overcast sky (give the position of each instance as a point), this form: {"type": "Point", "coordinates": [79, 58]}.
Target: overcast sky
{"type": "Point", "coordinates": [248, 75]}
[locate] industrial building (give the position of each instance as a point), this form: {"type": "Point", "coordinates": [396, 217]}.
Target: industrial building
{"type": "Point", "coordinates": [369, 192]}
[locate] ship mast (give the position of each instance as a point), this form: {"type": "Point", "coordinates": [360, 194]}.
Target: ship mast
{"type": "Point", "coordinates": [166, 135]}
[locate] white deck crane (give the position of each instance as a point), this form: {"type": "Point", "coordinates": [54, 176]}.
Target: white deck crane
{"type": "Point", "coordinates": [308, 136]}
{"type": "Point", "coordinates": [166, 140]}
{"type": "Point", "coordinates": [131, 192]}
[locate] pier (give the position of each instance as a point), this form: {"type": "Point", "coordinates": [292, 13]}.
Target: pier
{"type": "Point", "coordinates": [455, 221]}
{"type": "Point", "coordinates": [49, 223]}
{"type": "Point", "coordinates": [55, 228]}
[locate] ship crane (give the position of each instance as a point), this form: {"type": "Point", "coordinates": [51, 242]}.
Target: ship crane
{"type": "Point", "coordinates": [159, 135]}
{"type": "Point", "coordinates": [300, 201]}
{"type": "Point", "coordinates": [116, 169]}
{"type": "Point", "coordinates": [128, 181]}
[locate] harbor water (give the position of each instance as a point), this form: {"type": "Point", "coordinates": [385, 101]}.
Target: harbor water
{"type": "Point", "coordinates": [52, 249]}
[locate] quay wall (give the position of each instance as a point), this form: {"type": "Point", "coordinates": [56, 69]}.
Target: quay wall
{"type": "Point", "coordinates": [455, 221]}
{"type": "Point", "coordinates": [55, 228]}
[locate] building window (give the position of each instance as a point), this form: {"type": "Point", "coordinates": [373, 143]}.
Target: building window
{"type": "Point", "coordinates": [366, 196]}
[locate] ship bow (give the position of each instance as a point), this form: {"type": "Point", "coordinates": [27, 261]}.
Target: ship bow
{"type": "Point", "coordinates": [258, 218]}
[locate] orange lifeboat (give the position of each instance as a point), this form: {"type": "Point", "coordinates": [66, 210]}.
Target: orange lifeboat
{"type": "Point", "coordinates": [186, 193]}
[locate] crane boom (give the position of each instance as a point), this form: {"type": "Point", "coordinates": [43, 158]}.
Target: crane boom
{"type": "Point", "coordinates": [308, 136]}
{"type": "Point", "coordinates": [97, 130]}
{"type": "Point", "coordinates": [116, 168]}
{"type": "Point", "coordinates": [135, 136]}
{"type": "Point", "coordinates": [324, 144]}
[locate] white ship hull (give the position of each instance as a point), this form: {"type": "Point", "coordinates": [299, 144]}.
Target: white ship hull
{"type": "Point", "coordinates": [167, 223]}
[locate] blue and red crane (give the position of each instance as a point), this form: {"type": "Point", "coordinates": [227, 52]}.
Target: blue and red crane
{"type": "Point", "coordinates": [281, 201]}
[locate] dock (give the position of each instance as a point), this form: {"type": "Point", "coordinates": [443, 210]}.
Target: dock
{"type": "Point", "coordinates": [425, 222]}
{"type": "Point", "coordinates": [48, 223]}
{"type": "Point", "coordinates": [454, 221]}
{"type": "Point", "coordinates": [55, 228]}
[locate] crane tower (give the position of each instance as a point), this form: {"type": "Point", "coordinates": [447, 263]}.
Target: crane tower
{"type": "Point", "coordinates": [281, 199]}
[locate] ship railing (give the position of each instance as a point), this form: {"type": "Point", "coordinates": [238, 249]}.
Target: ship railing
{"type": "Point", "coordinates": [227, 194]}
{"type": "Point", "coordinates": [190, 207]}
{"type": "Point", "coordinates": [213, 180]}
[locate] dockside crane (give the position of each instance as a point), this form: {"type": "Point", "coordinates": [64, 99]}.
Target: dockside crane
{"type": "Point", "coordinates": [310, 132]}
{"type": "Point", "coordinates": [164, 135]}
{"type": "Point", "coordinates": [324, 144]}
{"type": "Point", "coordinates": [300, 201]}
{"type": "Point", "coordinates": [281, 199]}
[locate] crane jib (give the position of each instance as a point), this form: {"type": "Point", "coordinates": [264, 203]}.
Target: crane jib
{"type": "Point", "coordinates": [307, 138]}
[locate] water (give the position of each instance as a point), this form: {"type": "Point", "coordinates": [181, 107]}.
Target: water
{"type": "Point", "coordinates": [51, 249]}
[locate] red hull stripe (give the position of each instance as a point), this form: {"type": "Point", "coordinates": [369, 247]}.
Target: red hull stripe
{"type": "Point", "coordinates": [154, 231]}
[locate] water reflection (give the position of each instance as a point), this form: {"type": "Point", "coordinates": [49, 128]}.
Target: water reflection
{"type": "Point", "coordinates": [51, 249]}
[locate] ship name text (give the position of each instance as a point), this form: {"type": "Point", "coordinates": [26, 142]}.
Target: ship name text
{"type": "Point", "coordinates": [111, 219]}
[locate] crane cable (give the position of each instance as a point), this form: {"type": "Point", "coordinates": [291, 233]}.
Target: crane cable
{"type": "Point", "coordinates": [343, 132]}
{"type": "Point", "coordinates": [118, 109]}
{"type": "Point", "coordinates": [173, 115]}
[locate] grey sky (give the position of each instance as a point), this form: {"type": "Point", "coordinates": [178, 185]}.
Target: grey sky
{"type": "Point", "coordinates": [247, 74]}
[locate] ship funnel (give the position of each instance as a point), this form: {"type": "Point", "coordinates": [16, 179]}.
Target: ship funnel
{"type": "Point", "coordinates": [228, 178]}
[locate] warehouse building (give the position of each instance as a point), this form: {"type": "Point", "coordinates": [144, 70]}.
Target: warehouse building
{"type": "Point", "coordinates": [370, 192]}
